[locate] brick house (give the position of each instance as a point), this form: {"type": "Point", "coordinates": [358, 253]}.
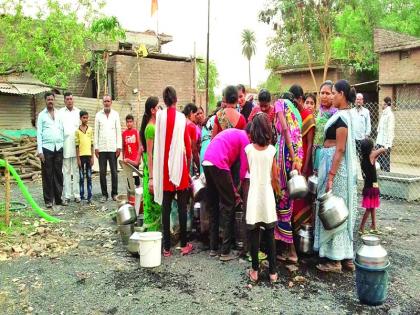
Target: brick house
{"type": "Point", "coordinates": [399, 65]}
{"type": "Point", "coordinates": [131, 80]}
{"type": "Point", "coordinates": [301, 74]}
{"type": "Point", "coordinates": [399, 78]}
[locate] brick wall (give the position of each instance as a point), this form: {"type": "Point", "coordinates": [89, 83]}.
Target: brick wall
{"type": "Point", "coordinates": [393, 70]}
{"type": "Point", "coordinates": [385, 90]}
{"type": "Point", "coordinates": [81, 85]}
{"type": "Point", "coordinates": [154, 76]}
{"type": "Point", "coordinates": [304, 78]}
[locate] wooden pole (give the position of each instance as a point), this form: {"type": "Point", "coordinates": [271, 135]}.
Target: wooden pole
{"type": "Point", "coordinates": [7, 197]}
{"type": "Point", "coordinates": [208, 54]}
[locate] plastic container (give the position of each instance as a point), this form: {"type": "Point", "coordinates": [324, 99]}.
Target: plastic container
{"type": "Point", "coordinates": [371, 284]}
{"type": "Point", "coordinates": [150, 244]}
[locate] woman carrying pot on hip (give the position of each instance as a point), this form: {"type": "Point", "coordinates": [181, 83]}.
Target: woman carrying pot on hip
{"type": "Point", "coordinates": [337, 172]}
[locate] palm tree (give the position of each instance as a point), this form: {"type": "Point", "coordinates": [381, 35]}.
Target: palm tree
{"type": "Point", "coordinates": [248, 48]}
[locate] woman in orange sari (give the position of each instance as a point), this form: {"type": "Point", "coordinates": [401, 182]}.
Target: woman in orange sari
{"type": "Point", "coordinates": [302, 208]}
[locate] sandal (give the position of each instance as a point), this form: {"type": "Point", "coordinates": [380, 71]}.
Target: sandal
{"type": "Point", "coordinates": [167, 253]}
{"type": "Point", "coordinates": [375, 231]}
{"type": "Point", "coordinates": [274, 278]}
{"type": "Point", "coordinates": [348, 265]}
{"type": "Point", "coordinates": [187, 249]}
{"type": "Point", "coordinates": [228, 257]}
{"type": "Point", "coordinates": [329, 267]}
{"type": "Point", "coordinates": [251, 277]}
{"type": "Point", "coordinates": [361, 232]}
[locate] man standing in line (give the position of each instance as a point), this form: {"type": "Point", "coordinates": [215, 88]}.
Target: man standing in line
{"type": "Point", "coordinates": [386, 134]}
{"type": "Point", "coordinates": [50, 138]}
{"type": "Point", "coordinates": [361, 122]}
{"type": "Point", "coordinates": [69, 115]}
{"type": "Point", "coordinates": [108, 144]}
{"type": "Point", "coordinates": [245, 107]}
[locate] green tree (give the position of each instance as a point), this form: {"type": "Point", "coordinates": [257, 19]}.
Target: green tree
{"type": "Point", "coordinates": [248, 42]}
{"type": "Point", "coordinates": [358, 19]}
{"type": "Point", "coordinates": [103, 31]}
{"type": "Point", "coordinates": [50, 43]}
{"type": "Point", "coordinates": [309, 31]}
{"type": "Point", "coordinates": [304, 32]}
{"type": "Point", "coordinates": [213, 81]}
{"type": "Point", "coordinates": [272, 84]}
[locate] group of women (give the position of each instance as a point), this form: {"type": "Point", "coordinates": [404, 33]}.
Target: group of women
{"type": "Point", "coordinates": [308, 138]}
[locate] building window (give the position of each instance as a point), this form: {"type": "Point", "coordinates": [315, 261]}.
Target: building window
{"type": "Point", "coordinates": [404, 54]}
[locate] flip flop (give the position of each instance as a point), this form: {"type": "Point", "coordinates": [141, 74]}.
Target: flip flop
{"type": "Point", "coordinates": [274, 278]}
{"type": "Point", "coordinates": [250, 277]}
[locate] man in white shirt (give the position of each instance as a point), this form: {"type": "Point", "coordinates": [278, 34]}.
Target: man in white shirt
{"type": "Point", "coordinates": [50, 137]}
{"type": "Point", "coordinates": [386, 133]}
{"type": "Point", "coordinates": [361, 122]}
{"type": "Point", "coordinates": [69, 115]}
{"type": "Point", "coordinates": [108, 144]}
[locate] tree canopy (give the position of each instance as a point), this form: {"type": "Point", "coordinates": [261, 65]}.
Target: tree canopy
{"type": "Point", "coordinates": [248, 42]}
{"type": "Point", "coordinates": [306, 24]}
{"type": "Point", "coordinates": [213, 81]}
{"type": "Point", "coordinates": [50, 42]}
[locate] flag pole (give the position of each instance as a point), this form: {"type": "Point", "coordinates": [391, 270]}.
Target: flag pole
{"type": "Point", "coordinates": [207, 59]}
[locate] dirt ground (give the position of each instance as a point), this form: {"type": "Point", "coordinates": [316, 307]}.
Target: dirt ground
{"type": "Point", "coordinates": [86, 270]}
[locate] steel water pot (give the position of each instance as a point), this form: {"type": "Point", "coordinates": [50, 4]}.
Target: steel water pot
{"type": "Point", "coordinates": [305, 239]}
{"type": "Point", "coordinates": [332, 211]}
{"type": "Point", "coordinates": [297, 185]}
{"type": "Point", "coordinates": [198, 187]}
{"type": "Point", "coordinates": [126, 230]}
{"type": "Point", "coordinates": [371, 253]}
{"type": "Point", "coordinates": [126, 214]}
{"type": "Point", "coordinates": [313, 184]}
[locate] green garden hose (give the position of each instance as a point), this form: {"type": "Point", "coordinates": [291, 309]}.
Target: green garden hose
{"type": "Point", "coordinates": [26, 193]}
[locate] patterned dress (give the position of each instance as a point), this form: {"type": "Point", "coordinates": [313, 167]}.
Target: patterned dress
{"type": "Point", "coordinates": [152, 210]}
{"type": "Point", "coordinates": [283, 228]}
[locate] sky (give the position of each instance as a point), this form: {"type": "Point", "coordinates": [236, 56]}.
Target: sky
{"type": "Point", "coordinates": [186, 21]}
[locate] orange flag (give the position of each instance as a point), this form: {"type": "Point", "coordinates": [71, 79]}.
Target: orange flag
{"type": "Point", "coordinates": [154, 6]}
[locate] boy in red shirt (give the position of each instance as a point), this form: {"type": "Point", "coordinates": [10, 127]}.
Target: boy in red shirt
{"type": "Point", "coordinates": [131, 144]}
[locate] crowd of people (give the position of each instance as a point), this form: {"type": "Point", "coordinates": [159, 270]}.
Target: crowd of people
{"type": "Point", "coordinates": [245, 150]}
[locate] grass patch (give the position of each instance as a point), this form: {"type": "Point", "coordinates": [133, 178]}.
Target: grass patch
{"type": "Point", "coordinates": [21, 222]}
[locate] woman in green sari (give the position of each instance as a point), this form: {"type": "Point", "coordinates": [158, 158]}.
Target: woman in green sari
{"type": "Point", "coordinates": [152, 210]}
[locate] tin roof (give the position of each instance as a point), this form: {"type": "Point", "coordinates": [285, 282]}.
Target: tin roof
{"type": "Point", "coordinates": [22, 84]}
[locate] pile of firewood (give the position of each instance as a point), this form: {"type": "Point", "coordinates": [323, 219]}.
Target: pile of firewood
{"type": "Point", "coordinates": [21, 154]}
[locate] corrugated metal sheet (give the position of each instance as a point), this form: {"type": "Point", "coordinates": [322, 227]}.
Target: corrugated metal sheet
{"type": "Point", "coordinates": [15, 112]}
{"type": "Point", "coordinates": [22, 84]}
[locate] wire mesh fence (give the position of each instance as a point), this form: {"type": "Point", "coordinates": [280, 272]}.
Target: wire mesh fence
{"type": "Point", "coordinates": [399, 177]}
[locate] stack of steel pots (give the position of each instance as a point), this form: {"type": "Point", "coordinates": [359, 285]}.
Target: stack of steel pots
{"type": "Point", "coordinates": [372, 265]}
{"type": "Point", "coordinates": [126, 216]}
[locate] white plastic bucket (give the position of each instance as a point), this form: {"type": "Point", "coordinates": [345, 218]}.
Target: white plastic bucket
{"type": "Point", "coordinates": [139, 198]}
{"type": "Point", "coordinates": [150, 244]}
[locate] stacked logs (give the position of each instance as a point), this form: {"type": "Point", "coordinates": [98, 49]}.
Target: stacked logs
{"type": "Point", "coordinates": [21, 154]}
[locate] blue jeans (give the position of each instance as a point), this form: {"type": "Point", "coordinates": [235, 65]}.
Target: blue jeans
{"type": "Point", "coordinates": [85, 169]}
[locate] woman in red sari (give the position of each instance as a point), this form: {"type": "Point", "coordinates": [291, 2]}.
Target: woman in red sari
{"type": "Point", "coordinates": [302, 208]}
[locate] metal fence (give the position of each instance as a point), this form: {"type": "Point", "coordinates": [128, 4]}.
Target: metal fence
{"type": "Point", "coordinates": [403, 179]}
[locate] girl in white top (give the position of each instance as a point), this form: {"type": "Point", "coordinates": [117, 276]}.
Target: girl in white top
{"type": "Point", "coordinates": [261, 206]}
